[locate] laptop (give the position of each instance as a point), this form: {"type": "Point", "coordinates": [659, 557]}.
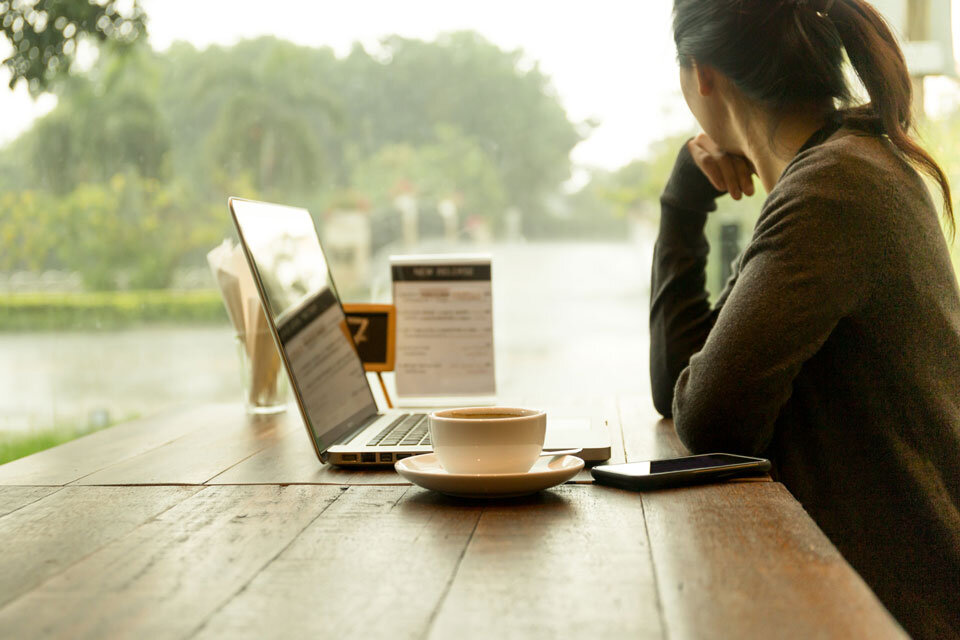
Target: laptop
{"type": "Point", "coordinates": [331, 389]}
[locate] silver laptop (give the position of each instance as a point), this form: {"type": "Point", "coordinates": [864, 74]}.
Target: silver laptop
{"type": "Point", "coordinates": [331, 389]}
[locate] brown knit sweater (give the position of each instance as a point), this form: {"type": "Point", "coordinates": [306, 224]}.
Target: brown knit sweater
{"type": "Point", "coordinates": [834, 351]}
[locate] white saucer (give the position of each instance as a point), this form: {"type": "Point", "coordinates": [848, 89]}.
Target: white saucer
{"type": "Point", "coordinates": [425, 470]}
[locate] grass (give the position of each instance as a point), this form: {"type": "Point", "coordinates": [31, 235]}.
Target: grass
{"type": "Point", "coordinates": [108, 309]}
{"type": "Point", "coordinates": [19, 444]}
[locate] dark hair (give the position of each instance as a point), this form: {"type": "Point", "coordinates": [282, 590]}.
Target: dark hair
{"type": "Point", "coordinates": [789, 53]}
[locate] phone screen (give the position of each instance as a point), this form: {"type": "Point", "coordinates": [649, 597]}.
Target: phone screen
{"type": "Point", "coordinates": [708, 461]}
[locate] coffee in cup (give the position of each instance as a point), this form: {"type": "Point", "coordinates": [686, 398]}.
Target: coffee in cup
{"type": "Point", "coordinates": [488, 439]}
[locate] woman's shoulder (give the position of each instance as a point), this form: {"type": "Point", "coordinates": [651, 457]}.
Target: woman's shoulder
{"type": "Point", "coordinates": [851, 166]}
{"type": "Point", "coordinates": [851, 195]}
{"type": "Point", "coordinates": [854, 179]}
{"type": "Point", "coordinates": [846, 195]}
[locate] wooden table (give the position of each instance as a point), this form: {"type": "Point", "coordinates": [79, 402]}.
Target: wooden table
{"type": "Point", "coordinates": [204, 523]}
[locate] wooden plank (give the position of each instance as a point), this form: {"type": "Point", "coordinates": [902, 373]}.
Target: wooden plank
{"type": "Point", "coordinates": [745, 560]}
{"type": "Point", "coordinates": [571, 562]}
{"type": "Point", "coordinates": [646, 435]}
{"type": "Point", "coordinates": [13, 498]}
{"type": "Point", "coordinates": [219, 443]}
{"type": "Point", "coordinates": [602, 411]}
{"type": "Point", "coordinates": [290, 458]}
{"type": "Point", "coordinates": [49, 535]}
{"type": "Point", "coordinates": [230, 437]}
{"type": "Point", "coordinates": [74, 460]}
{"type": "Point", "coordinates": [164, 578]}
{"type": "Point", "coordinates": [375, 565]}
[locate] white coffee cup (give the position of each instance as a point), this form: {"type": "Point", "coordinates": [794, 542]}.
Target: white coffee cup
{"type": "Point", "coordinates": [488, 439]}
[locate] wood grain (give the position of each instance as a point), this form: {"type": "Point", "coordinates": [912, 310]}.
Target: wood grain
{"type": "Point", "coordinates": [646, 435]}
{"type": "Point", "coordinates": [745, 560]}
{"type": "Point", "coordinates": [165, 577]}
{"type": "Point", "coordinates": [76, 459]}
{"type": "Point", "coordinates": [290, 458]}
{"type": "Point", "coordinates": [13, 498]}
{"type": "Point", "coordinates": [570, 562]}
{"type": "Point", "coordinates": [227, 439]}
{"type": "Point", "coordinates": [45, 537]}
{"type": "Point", "coordinates": [736, 560]}
{"type": "Point", "coordinates": [375, 565]}
{"type": "Point", "coordinates": [220, 444]}
{"type": "Point", "coordinates": [601, 411]}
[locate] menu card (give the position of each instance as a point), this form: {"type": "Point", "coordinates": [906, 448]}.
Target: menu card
{"type": "Point", "coordinates": [444, 307]}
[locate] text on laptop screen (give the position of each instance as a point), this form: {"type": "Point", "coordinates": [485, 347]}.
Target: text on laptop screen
{"type": "Point", "coordinates": [302, 301]}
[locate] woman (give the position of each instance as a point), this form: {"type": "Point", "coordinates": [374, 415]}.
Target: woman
{"type": "Point", "coordinates": [834, 350]}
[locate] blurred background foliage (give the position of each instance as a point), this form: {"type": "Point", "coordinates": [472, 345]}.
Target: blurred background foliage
{"type": "Point", "coordinates": [45, 34]}
{"type": "Point", "coordinates": [126, 178]}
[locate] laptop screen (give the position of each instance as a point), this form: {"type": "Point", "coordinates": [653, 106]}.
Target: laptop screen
{"type": "Point", "coordinates": [325, 371]}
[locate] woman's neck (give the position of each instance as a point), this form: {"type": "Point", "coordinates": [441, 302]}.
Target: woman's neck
{"type": "Point", "coordinates": [770, 154]}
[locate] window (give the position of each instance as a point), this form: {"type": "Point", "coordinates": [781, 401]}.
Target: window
{"type": "Point", "coordinates": [540, 132]}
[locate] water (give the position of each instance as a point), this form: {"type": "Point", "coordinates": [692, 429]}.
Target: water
{"type": "Point", "coordinates": [569, 318]}
{"type": "Point", "coordinates": [72, 378]}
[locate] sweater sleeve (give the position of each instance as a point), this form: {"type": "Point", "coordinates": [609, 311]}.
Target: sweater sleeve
{"type": "Point", "coordinates": [680, 313]}
{"type": "Point", "coordinates": [810, 263]}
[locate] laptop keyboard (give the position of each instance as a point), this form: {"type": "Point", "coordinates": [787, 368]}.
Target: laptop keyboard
{"type": "Point", "coordinates": [408, 430]}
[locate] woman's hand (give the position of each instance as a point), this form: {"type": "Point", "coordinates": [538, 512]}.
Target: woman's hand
{"type": "Point", "coordinates": [726, 172]}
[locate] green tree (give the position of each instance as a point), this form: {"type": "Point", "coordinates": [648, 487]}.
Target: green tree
{"type": "Point", "coordinates": [353, 107]}
{"type": "Point", "coordinates": [30, 230]}
{"type": "Point", "coordinates": [627, 189]}
{"type": "Point", "coordinates": [455, 166]}
{"type": "Point", "coordinates": [106, 122]}
{"type": "Point", "coordinates": [462, 80]}
{"type": "Point", "coordinates": [146, 137]}
{"type": "Point", "coordinates": [298, 120]}
{"type": "Point", "coordinates": [256, 136]}
{"type": "Point", "coordinates": [133, 231]}
{"type": "Point", "coordinates": [45, 33]}
{"type": "Point", "coordinates": [632, 191]}
{"type": "Point", "coordinates": [261, 110]}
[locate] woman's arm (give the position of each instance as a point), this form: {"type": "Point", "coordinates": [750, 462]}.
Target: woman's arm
{"type": "Point", "coordinates": [812, 261]}
{"type": "Point", "coordinates": [680, 313]}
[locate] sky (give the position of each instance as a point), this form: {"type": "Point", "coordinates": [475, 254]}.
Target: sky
{"type": "Point", "coordinates": [610, 60]}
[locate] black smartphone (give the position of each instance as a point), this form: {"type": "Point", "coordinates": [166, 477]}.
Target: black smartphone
{"type": "Point", "coordinates": [673, 472]}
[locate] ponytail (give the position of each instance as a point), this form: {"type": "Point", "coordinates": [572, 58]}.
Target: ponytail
{"type": "Point", "coordinates": [788, 53]}
{"type": "Point", "coordinates": [879, 62]}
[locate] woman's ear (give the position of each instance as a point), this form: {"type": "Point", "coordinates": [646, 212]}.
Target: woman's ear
{"type": "Point", "coordinates": [706, 80]}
